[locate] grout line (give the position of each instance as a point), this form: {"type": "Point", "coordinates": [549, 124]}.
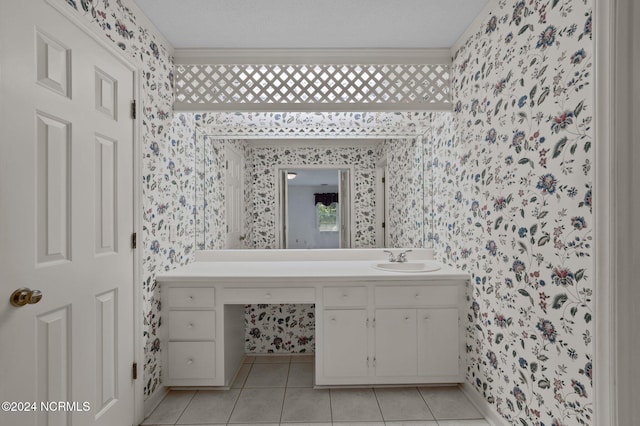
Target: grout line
{"type": "Point", "coordinates": [235, 404]}
{"type": "Point", "coordinates": [185, 407]}
{"type": "Point", "coordinates": [375, 395]}
{"type": "Point", "coordinates": [330, 407]}
{"type": "Point", "coordinates": [284, 395]}
{"type": "Point", "coordinates": [427, 404]}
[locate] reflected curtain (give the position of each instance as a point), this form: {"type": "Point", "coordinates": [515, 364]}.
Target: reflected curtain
{"type": "Point", "coordinates": [327, 198]}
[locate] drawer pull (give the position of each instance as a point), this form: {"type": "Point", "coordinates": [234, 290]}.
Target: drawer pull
{"type": "Point", "coordinates": [407, 318]}
{"type": "Point", "coordinates": [417, 295]}
{"type": "Point", "coordinates": [345, 295]}
{"type": "Point", "coordinates": [267, 296]}
{"type": "Point", "coordinates": [190, 298]}
{"type": "Point", "coordinates": [190, 325]}
{"type": "Point", "coordinates": [333, 319]}
{"type": "Point", "coordinates": [427, 317]}
{"type": "Point", "coordinates": [190, 361]}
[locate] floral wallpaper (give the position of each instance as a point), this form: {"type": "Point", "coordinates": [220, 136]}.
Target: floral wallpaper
{"type": "Point", "coordinates": [167, 148]}
{"type": "Point", "coordinates": [513, 196]}
{"type": "Point", "coordinates": [286, 328]}
{"type": "Point", "coordinates": [250, 125]}
{"type": "Point", "coordinates": [405, 191]}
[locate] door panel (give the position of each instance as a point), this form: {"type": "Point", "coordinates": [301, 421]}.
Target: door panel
{"type": "Point", "coordinates": [438, 342]}
{"type": "Point", "coordinates": [66, 191]}
{"type": "Point", "coordinates": [396, 350]}
{"type": "Point", "coordinates": [235, 198]}
{"type": "Point", "coordinates": [345, 343]}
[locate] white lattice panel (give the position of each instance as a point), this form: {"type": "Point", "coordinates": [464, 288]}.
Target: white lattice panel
{"type": "Point", "coordinates": [250, 87]}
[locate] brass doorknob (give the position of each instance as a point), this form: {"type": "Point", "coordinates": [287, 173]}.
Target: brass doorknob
{"type": "Point", "coordinates": [24, 296]}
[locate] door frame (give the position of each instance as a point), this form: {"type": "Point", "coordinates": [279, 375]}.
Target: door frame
{"type": "Point", "coordinates": [136, 70]}
{"type": "Point", "coordinates": [279, 168]}
{"type": "Point", "coordinates": [616, 232]}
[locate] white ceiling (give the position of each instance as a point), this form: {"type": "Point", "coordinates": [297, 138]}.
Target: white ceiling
{"type": "Point", "coordinates": [314, 177]}
{"type": "Point", "coordinates": [311, 24]}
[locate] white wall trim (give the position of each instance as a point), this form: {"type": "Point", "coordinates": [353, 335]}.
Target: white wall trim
{"type": "Point", "coordinates": [311, 143]}
{"type": "Point", "coordinates": [487, 410]}
{"type": "Point", "coordinates": [605, 250]}
{"type": "Point", "coordinates": [312, 56]}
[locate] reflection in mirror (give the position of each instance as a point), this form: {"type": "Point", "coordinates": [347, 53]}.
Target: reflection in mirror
{"type": "Point", "coordinates": [239, 201]}
{"type": "Point", "coordinates": [315, 207]}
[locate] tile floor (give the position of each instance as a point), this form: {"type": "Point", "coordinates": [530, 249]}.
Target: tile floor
{"type": "Point", "coordinates": [274, 390]}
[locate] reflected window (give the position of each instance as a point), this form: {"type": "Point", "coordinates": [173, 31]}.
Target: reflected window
{"type": "Point", "coordinates": [327, 217]}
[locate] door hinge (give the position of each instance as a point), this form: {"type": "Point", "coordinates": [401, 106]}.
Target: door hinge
{"type": "Point", "coordinates": [133, 109]}
{"type": "Point", "coordinates": [134, 371]}
{"type": "Point", "coordinates": [383, 179]}
{"type": "Point", "coordinates": [384, 225]}
{"type": "Point", "coordinates": [134, 240]}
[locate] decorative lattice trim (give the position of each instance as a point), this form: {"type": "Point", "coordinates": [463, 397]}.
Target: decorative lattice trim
{"type": "Point", "coordinates": [246, 87]}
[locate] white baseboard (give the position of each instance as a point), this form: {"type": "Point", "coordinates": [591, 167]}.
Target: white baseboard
{"type": "Point", "coordinates": [487, 410]}
{"type": "Point", "coordinates": [154, 400]}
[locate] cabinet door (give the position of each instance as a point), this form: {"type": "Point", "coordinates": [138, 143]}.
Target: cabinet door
{"type": "Point", "coordinates": [438, 342]}
{"type": "Point", "coordinates": [345, 343]}
{"type": "Point", "coordinates": [396, 349]}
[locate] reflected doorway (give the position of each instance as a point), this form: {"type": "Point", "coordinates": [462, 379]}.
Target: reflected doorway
{"type": "Point", "coordinates": [315, 207]}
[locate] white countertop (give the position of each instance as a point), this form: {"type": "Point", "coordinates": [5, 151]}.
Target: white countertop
{"type": "Point", "coordinates": [311, 270]}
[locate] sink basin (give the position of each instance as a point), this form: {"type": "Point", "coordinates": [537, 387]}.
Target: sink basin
{"type": "Point", "coordinates": [428, 266]}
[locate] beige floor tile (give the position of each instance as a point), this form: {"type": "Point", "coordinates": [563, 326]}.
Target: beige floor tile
{"type": "Point", "coordinates": [306, 405]}
{"type": "Point", "coordinates": [412, 423]}
{"type": "Point", "coordinates": [258, 406]}
{"type": "Point", "coordinates": [402, 404]}
{"type": "Point", "coordinates": [354, 405]}
{"type": "Point", "coordinates": [475, 422]}
{"type": "Point", "coordinates": [241, 377]}
{"type": "Point", "coordinates": [303, 358]}
{"type": "Point", "coordinates": [300, 375]}
{"type": "Point", "coordinates": [267, 376]}
{"type": "Point", "coordinates": [272, 359]}
{"type": "Point", "coordinates": [210, 406]}
{"type": "Point", "coordinates": [170, 409]}
{"type": "Point", "coordinates": [449, 403]}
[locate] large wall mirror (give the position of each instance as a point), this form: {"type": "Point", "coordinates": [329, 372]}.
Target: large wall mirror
{"type": "Point", "coordinates": [312, 193]}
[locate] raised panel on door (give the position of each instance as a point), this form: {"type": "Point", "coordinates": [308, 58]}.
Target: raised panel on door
{"type": "Point", "coordinates": [66, 179]}
{"type": "Point", "coordinates": [438, 342]}
{"type": "Point", "coordinates": [345, 343]}
{"type": "Point", "coordinates": [396, 349]}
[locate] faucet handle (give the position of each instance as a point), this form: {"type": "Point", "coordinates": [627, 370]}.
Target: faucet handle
{"type": "Point", "coordinates": [402, 256]}
{"type": "Point", "coordinates": [392, 257]}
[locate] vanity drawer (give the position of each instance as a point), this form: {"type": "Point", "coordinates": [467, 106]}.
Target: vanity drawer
{"type": "Point", "coordinates": [269, 295]}
{"type": "Point", "coordinates": [192, 325]}
{"type": "Point", "coordinates": [191, 297]}
{"type": "Point", "coordinates": [416, 295]}
{"type": "Point", "coordinates": [342, 297]}
{"type": "Point", "coordinates": [192, 360]}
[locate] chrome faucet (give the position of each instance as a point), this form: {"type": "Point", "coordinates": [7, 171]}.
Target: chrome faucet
{"type": "Point", "coordinates": [400, 258]}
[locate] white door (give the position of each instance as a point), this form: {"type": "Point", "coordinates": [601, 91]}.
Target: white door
{"type": "Point", "coordinates": [235, 199]}
{"type": "Point", "coordinates": [66, 191]}
{"type": "Point", "coordinates": [396, 349]}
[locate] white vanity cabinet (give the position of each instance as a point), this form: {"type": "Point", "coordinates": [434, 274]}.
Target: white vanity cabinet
{"type": "Point", "coordinates": [373, 327]}
{"type": "Point", "coordinates": [396, 334]}
{"type": "Point", "coordinates": [190, 356]}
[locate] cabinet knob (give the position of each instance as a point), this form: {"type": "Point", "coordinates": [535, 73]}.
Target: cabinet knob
{"type": "Point", "coordinates": [407, 318]}
{"type": "Point", "coordinates": [190, 361]}
{"type": "Point", "coordinates": [267, 296]}
{"type": "Point", "coordinates": [345, 295]}
{"type": "Point", "coordinates": [190, 298]}
{"type": "Point", "coordinates": [417, 296]}
{"type": "Point", "coordinates": [190, 325]}
{"type": "Point", "coordinates": [333, 319]}
{"type": "Point", "coordinates": [427, 317]}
